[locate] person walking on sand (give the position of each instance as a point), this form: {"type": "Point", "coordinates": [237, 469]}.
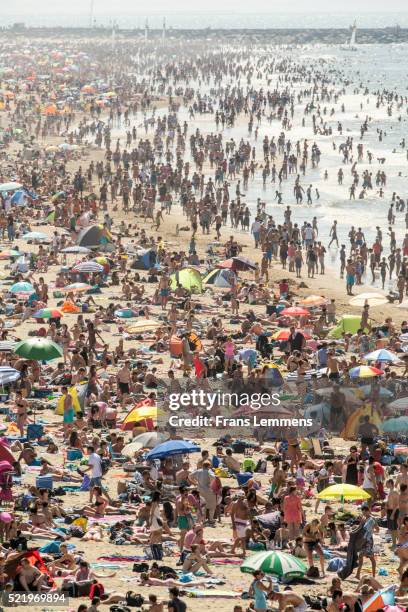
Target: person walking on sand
{"type": "Point", "coordinates": [333, 234]}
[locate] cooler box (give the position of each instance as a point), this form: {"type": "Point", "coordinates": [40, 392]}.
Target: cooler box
{"type": "Point", "coordinates": [176, 346]}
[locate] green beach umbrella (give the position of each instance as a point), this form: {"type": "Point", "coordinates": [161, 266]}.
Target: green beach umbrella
{"type": "Point", "coordinates": [41, 349]}
{"type": "Point", "coordinates": [276, 563]}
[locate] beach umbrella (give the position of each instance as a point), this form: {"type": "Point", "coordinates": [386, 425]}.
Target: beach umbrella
{"type": "Point", "coordinates": [77, 288]}
{"type": "Point", "coordinates": [8, 375]}
{"type": "Point", "coordinates": [365, 372]}
{"type": "Point", "coordinates": [173, 447]}
{"type": "Point", "coordinates": [125, 313]}
{"type": "Point", "coordinates": [138, 414]}
{"type": "Point", "coordinates": [89, 267]}
{"type": "Point", "coordinates": [344, 492]}
{"type": "Point", "coordinates": [237, 264]}
{"type": "Point", "coordinates": [313, 300]}
{"type": "Point", "coordinates": [395, 425]}
{"type": "Point", "coordinates": [22, 287]}
{"type": "Point", "coordinates": [276, 563]}
{"type": "Point", "coordinates": [10, 186]}
{"type": "Point", "coordinates": [382, 355]}
{"type": "Point", "coordinates": [90, 236]}
{"type": "Point", "coordinates": [48, 313]}
{"type": "Point", "coordinates": [143, 325]}
{"type": "Point", "coordinates": [349, 394]}
{"type": "Point", "coordinates": [9, 253]}
{"type": "Point", "coordinates": [41, 349]}
{"type": "Point", "coordinates": [399, 404]}
{"type": "Point", "coordinates": [295, 311]}
{"type": "Point", "coordinates": [366, 390]}
{"type": "Point", "coordinates": [39, 236]}
{"type": "Point", "coordinates": [372, 299]}
{"type": "Point", "coordinates": [382, 599]}
{"type": "Point", "coordinates": [76, 249]}
{"type": "Point", "coordinates": [7, 346]}
{"type": "Point", "coordinates": [283, 334]}
{"type": "Point", "coordinates": [149, 439]}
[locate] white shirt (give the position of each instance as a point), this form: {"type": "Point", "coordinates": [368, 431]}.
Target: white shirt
{"type": "Point", "coordinates": [308, 233]}
{"type": "Point", "coordinates": [96, 463]}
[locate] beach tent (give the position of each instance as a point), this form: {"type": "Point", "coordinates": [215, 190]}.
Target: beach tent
{"type": "Point", "coordinates": [176, 344]}
{"type": "Point", "coordinates": [144, 412]}
{"type": "Point", "coordinates": [348, 324]}
{"type": "Point", "coordinates": [223, 279]}
{"type": "Point", "coordinates": [273, 375]}
{"type": "Point", "coordinates": [144, 260]}
{"type": "Point", "coordinates": [90, 236]}
{"type": "Point", "coordinates": [353, 422]}
{"type": "Point", "coordinates": [75, 402]}
{"type": "Point", "coordinates": [189, 278]}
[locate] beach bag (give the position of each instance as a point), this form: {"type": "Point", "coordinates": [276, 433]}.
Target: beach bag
{"type": "Point", "coordinates": [312, 572]}
{"type": "Point", "coordinates": [105, 465]}
{"type": "Point", "coordinates": [156, 551]}
{"type": "Point", "coordinates": [335, 564]}
{"type": "Point", "coordinates": [134, 600]}
{"type": "Point", "coordinates": [140, 567]}
{"type": "Point", "coordinates": [86, 483]}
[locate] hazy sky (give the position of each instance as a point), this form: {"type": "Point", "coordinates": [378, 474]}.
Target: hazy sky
{"type": "Point", "coordinates": [81, 7]}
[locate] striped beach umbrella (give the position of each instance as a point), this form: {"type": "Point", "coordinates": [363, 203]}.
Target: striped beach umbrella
{"type": "Point", "coordinates": [7, 346]}
{"type": "Point", "coordinates": [89, 267]}
{"type": "Point", "coordinates": [276, 563]}
{"type": "Point", "coordinates": [8, 375]}
{"type": "Point", "coordinates": [76, 249]}
{"type": "Point", "coordinates": [48, 313]}
{"type": "Point", "coordinates": [382, 355]}
{"type": "Point", "coordinates": [380, 599]}
{"type": "Point", "coordinates": [365, 372]}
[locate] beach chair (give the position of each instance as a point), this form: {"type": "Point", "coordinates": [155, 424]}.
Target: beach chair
{"type": "Point", "coordinates": [248, 465]}
{"type": "Point", "coordinates": [319, 452]}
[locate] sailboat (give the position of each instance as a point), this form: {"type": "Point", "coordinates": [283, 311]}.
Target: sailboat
{"type": "Point", "coordinates": [351, 45]}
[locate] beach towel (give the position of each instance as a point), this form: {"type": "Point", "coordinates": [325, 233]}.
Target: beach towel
{"type": "Point", "coordinates": [226, 561]}
{"type": "Point", "coordinates": [212, 593]}
{"type": "Point", "coordinates": [123, 559]}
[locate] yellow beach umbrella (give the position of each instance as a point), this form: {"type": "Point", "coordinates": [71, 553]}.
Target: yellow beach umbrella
{"type": "Point", "coordinates": [343, 492]}
{"type": "Point", "coordinates": [313, 300]}
{"type": "Point", "coordinates": [143, 325]}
